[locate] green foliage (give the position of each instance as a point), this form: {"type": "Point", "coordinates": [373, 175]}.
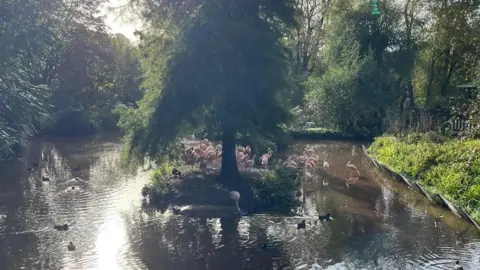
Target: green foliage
{"type": "Point", "coordinates": [60, 72]}
{"type": "Point", "coordinates": [98, 73]}
{"type": "Point", "coordinates": [160, 181]}
{"type": "Point", "coordinates": [25, 42]}
{"type": "Point", "coordinates": [451, 168]}
{"type": "Point", "coordinates": [228, 71]}
{"type": "Point", "coordinates": [350, 96]}
{"type": "Point", "coordinates": [275, 190]}
{"type": "Point", "coordinates": [472, 114]}
{"type": "Point", "coordinates": [325, 134]}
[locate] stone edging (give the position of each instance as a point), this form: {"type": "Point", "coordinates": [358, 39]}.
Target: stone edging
{"type": "Point", "coordinates": [437, 198]}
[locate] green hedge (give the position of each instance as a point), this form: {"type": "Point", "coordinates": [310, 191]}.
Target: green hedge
{"type": "Point", "coordinates": [450, 168]}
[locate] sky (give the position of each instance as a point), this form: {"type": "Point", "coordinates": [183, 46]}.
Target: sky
{"type": "Point", "coordinates": [118, 24]}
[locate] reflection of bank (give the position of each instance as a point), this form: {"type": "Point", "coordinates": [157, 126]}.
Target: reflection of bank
{"type": "Point", "coordinates": [375, 7]}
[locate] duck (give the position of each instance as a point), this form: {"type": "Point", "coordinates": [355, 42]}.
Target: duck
{"type": "Point", "coordinates": [458, 266]}
{"type": "Point", "coordinates": [45, 179]}
{"type": "Point", "coordinates": [325, 183]}
{"type": "Point", "coordinates": [326, 217]}
{"type": "Point", "coordinates": [302, 225]}
{"type": "Point", "coordinates": [267, 246]}
{"type": "Point", "coordinates": [73, 187]}
{"type": "Point", "coordinates": [71, 246]}
{"type": "Point", "coordinates": [176, 173]}
{"type": "Point", "coordinates": [63, 227]}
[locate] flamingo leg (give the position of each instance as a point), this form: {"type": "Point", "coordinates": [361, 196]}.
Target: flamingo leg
{"type": "Point", "coordinates": [238, 208]}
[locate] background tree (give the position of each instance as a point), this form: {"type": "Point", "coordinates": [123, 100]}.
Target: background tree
{"type": "Point", "coordinates": [227, 72]}
{"type": "Point", "coordinates": [60, 71]}
{"type": "Point", "coordinates": [26, 38]}
{"type": "Point", "coordinates": [356, 88]}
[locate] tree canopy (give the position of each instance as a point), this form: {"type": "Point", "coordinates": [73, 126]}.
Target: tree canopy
{"type": "Point", "coordinates": [231, 67]}
{"type": "Point", "coordinates": [228, 72]}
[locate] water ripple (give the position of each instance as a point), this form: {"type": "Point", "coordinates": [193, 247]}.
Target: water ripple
{"type": "Point", "coordinates": [378, 225]}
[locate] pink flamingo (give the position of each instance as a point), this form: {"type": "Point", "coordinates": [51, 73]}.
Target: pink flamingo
{"type": "Point", "coordinates": [235, 196]}
{"type": "Point", "coordinates": [250, 162]}
{"type": "Point", "coordinates": [308, 175]}
{"type": "Point", "coordinates": [326, 166]}
{"type": "Point", "coordinates": [240, 149]}
{"type": "Point", "coordinates": [355, 174]}
{"type": "Point", "coordinates": [351, 166]}
{"type": "Point", "coordinates": [264, 162]}
{"type": "Point", "coordinates": [268, 154]}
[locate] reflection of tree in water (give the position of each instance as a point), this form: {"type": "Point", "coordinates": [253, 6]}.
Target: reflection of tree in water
{"type": "Point", "coordinates": [178, 242]}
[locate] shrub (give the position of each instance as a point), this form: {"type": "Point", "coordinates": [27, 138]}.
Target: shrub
{"type": "Point", "coordinates": [161, 183]}
{"type": "Point", "coordinates": [275, 190]}
{"type": "Point", "coordinates": [326, 134]}
{"type": "Point", "coordinates": [451, 168]}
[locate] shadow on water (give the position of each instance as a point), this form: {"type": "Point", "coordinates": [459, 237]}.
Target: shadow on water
{"type": "Point", "coordinates": [379, 224]}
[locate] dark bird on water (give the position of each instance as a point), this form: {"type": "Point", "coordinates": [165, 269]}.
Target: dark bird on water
{"type": "Point", "coordinates": [458, 266]}
{"type": "Point", "coordinates": [63, 227]}
{"type": "Point", "coordinates": [267, 246]}
{"type": "Point", "coordinates": [326, 217]}
{"type": "Point", "coordinates": [71, 247]}
{"type": "Point", "coordinates": [176, 173]}
{"type": "Point", "coordinates": [45, 179]}
{"type": "Point", "coordinates": [302, 225]}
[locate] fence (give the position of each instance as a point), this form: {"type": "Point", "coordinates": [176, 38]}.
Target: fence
{"type": "Point", "coordinates": [421, 121]}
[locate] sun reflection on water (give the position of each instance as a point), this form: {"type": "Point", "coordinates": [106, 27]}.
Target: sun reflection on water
{"type": "Point", "coordinates": [111, 241]}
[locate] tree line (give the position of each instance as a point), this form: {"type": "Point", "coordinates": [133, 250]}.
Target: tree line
{"type": "Point", "coordinates": [236, 70]}
{"type": "Point", "coordinates": [245, 69]}
{"type": "Point", "coordinates": [61, 73]}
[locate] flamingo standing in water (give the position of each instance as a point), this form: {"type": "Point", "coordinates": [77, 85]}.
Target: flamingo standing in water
{"type": "Point", "coordinates": [235, 196]}
{"type": "Point", "coordinates": [351, 166]}
{"type": "Point", "coordinates": [326, 166]}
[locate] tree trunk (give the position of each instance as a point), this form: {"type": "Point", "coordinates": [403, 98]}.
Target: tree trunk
{"type": "Point", "coordinates": [411, 97]}
{"type": "Point", "coordinates": [443, 90]}
{"type": "Point", "coordinates": [428, 94]}
{"type": "Point", "coordinates": [229, 170]}
{"type": "Point", "coordinates": [446, 66]}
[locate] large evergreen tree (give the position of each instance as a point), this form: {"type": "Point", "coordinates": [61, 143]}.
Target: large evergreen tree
{"type": "Point", "coordinates": [228, 71]}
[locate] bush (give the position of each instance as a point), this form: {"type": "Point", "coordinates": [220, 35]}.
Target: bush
{"type": "Point", "coordinates": [325, 134]}
{"type": "Point", "coordinates": [275, 190]}
{"type": "Point", "coordinates": [161, 184]}
{"type": "Point", "coordinates": [451, 168]}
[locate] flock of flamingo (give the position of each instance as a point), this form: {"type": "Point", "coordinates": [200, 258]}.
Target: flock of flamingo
{"type": "Point", "coordinates": [309, 162]}
{"type": "Point", "coordinates": [206, 152]}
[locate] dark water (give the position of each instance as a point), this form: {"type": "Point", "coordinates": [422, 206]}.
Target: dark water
{"type": "Point", "coordinates": [375, 226]}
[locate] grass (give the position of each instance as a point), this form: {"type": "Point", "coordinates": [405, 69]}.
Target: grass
{"type": "Point", "coordinates": [448, 167]}
{"type": "Point", "coordinates": [325, 134]}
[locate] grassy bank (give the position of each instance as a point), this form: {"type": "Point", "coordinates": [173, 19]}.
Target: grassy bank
{"type": "Point", "coordinates": [326, 134]}
{"type": "Point", "coordinates": [261, 192]}
{"type": "Point", "coordinates": [448, 167]}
